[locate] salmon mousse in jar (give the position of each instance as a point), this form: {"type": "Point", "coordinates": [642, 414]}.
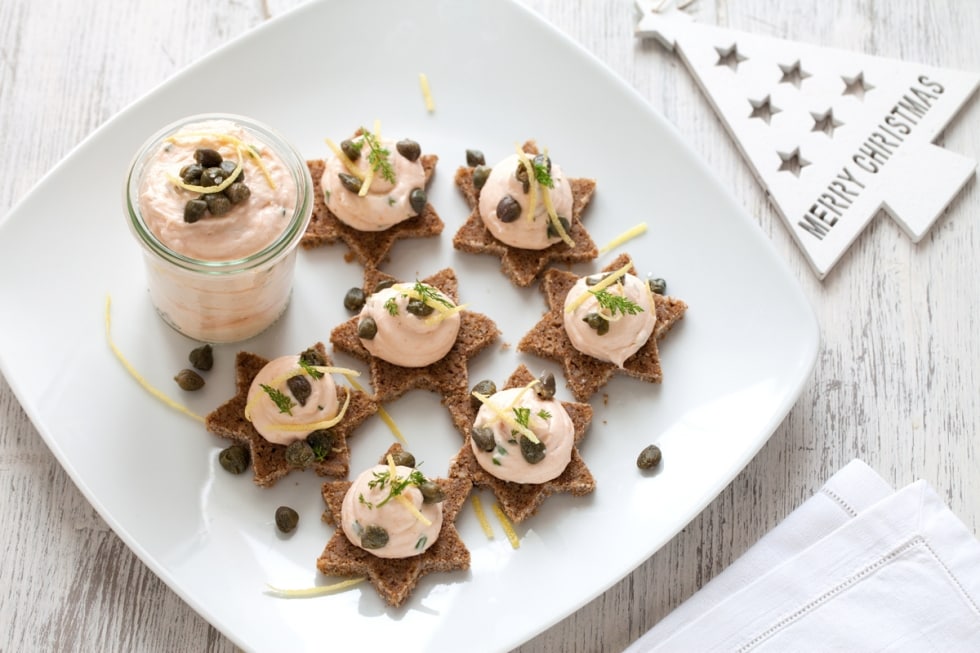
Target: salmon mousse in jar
{"type": "Point", "coordinates": [219, 203]}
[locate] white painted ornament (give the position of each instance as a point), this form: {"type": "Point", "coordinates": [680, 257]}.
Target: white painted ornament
{"type": "Point", "coordinates": [832, 135]}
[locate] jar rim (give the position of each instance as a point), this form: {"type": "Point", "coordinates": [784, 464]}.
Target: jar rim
{"type": "Point", "coordinates": [294, 230]}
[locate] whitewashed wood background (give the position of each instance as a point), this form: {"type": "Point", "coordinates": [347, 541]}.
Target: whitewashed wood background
{"type": "Point", "coordinates": [897, 381]}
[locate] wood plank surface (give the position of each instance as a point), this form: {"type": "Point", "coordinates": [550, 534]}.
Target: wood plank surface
{"type": "Point", "coordinates": [896, 381]}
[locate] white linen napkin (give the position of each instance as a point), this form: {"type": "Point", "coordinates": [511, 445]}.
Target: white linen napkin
{"type": "Point", "coordinates": [857, 568]}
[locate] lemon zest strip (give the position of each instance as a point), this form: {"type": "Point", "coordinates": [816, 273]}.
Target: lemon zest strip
{"type": "Point", "coordinates": [481, 516]}
{"type": "Point", "coordinates": [602, 285]}
{"type": "Point", "coordinates": [296, 371]}
{"type": "Point", "coordinates": [507, 419]}
{"type": "Point", "coordinates": [629, 234]}
{"type": "Point", "coordinates": [409, 291]}
{"type": "Point", "coordinates": [401, 498]}
{"type": "Point", "coordinates": [553, 217]}
{"type": "Point", "coordinates": [340, 154]}
{"type": "Point", "coordinates": [239, 145]}
{"type": "Point", "coordinates": [382, 413]}
{"type": "Point", "coordinates": [515, 542]}
{"type": "Point", "coordinates": [439, 317]}
{"type": "Point", "coordinates": [315, 426]}
{"type": "Point", "coordinates": [430, 104]}
{"type": "Point", "coordinates": [532, 196]}
{"type": "Point", "coordinates": [309, 592]}
{"type": "Point", "coordinates": [136, 375]}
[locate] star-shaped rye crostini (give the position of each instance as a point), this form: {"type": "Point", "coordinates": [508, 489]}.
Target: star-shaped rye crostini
{"type": "Point", "coordinates": [585, 374]}
{"type": "Point", "coordinates": [523, 266]}
{"type": "Point", "coordinates": [447, 376]}
{"type": "Point", "coordinates": [269, 459]}
{"type": "Point", "coordinates": [395, 578]}
{"type": "Point", "coordinates": [521, 500]}
{"type": "Point", "coordinates": [370, 248]}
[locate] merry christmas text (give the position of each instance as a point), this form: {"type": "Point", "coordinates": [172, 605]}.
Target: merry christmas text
{"type": "Point", "coordinates": [871, 157]}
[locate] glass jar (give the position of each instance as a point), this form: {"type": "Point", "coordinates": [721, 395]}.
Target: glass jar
{"type": "Point", "coordinates": [226, 274]}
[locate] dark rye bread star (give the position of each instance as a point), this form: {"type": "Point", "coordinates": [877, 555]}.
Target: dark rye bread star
{"type": "Point", "coordinates": [522, 266]}
{"type": "Point", "coordinates": [268, 459]}
{"type": "Point", "coordinates": [370, 248]}
{"type": "Point", "coordinates": [585, 374]}
{"type": "Point", "coordinates": [448, 376]}
{"type": "Point", "coordinates": [519, 500]}
{"type": "Point", "coordinates": [394, 579]}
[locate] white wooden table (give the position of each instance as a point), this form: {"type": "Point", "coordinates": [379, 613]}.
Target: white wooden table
{"type": "Point", "coordinates": [897, 380]}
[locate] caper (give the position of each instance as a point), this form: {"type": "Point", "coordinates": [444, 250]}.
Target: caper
{"type": "Point", "coordinates": [354, 299]}
{"type": "Point", "coordinates": [321, 442]}
{"type": "Point", "coordinates": [408, 149]}
{"type": "Point", "coordinates": [218, 204]}
{"type": "Point", "coordinates": [480, 174]}
{"type": "Point", "coordinates": [300, 387]}
{"type": "Point", "coordinates": [207, 157]}
{"type": "Point", "coordinates": [431, 492]}
{"type": "Point", "coordinates": [475, 158]}
{"type": "Point", "coordinates": [384, 283]}
{"type": "Point", "coordinates": [313, 358]}
{"type": "Point", "coordinates": [352, 151]}
{"type": "Point", "coordinates": [374, 537]}
{"type": "Point", "coordinates": [417, 200]}
{"type": "Point", "coordinates": [486, 387]}
{"type": "Point", "coordinates": [594, 279]}
{"type": "Point", "coordinates": [238, 192]}
{"type": "Point", "coordinates": [228, 167]}
{"type": "Point", "coordinates": [202, 357]}
{"type": "Point", "coordinates": [546, 389]}
{"type": "Point", "coordinates": [234, 459]}
{"type": "Point", "coordinates": [194, 210]}
{"type": "Point", "coordinates": [191, 173]}
{"type": "Point", "coordinates": [418, 308]}
{"type": "Point", "coordinates": [532, 452]}
{"type": "Point", "coordinates": [542, 161]}
{"type": "Point", "coordinates": [658, 286]}
{"type": "Point", "coordinates": [597, 322]}
{"type": "Point", "coordinates": [649, 458]}
{"type": "Point", "coordinates": [508, 209]}
{"type": "Point", "coordinates": [565, 226]}
{"type": "Point", "coordinates": [403, 458]}
{"type": "Point", "coordinates": [483, 438]}
{"type": "Point", "coordinates": [286, 519]}
{"type": "Point", "coordinates": [212, 176]}
{"type": "Point", "coordinates": [300, 454]}
{"type": "Point", "coordinates": [350, 182]}
{"type": "Point", "coordinates": [189, 380]}
{"type": "Point", "coordinates": [521, 175]}
{"type": "Point", "coordinates": [367, 328]}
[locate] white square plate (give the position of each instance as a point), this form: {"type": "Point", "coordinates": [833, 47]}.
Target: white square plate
{"type": "Point", "coordinates": [733, 367]}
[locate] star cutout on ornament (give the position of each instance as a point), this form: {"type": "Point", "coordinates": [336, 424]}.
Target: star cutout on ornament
{"type": "Point", "coordinates": [856, 86]}
{"type": "Point", "coordinates": [825, 122]}
{"type": "Point", "coordinates": [448, 375]}
{"type": "Point", "coordinates": [730, 57]}
{"type": "Point", "coordinates": [793, 74]}
{"type": "Point", "coordinates": [792, 162]}
{"type": "Point", "coordinates": [763, 109]}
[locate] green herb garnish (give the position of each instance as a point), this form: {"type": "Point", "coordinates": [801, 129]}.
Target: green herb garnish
{"type": "Point", "coordinates": [543, 414]}
{"type": "Point", "coordinates": [378, 157]}
{"type": "Point", "coordinates": [309, 369]}
{"type": "Point", "coordinates": [279, 398]}
{"type": "Point", "coordinates": [429, 295]}
{"type": "Point", "coordinates": [542, 175]}
{"type": "Point", "coordinates": [522, 416]}
{"type": "Point", "coordinates": [391, 306]}
{"type": "Point", "coordinates": [397, 486]}
{"type": "Point", "coordinates": [613, 303]}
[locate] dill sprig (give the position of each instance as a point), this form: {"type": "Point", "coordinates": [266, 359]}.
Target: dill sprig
{"type": "Point", "coordinates": [309, 369]}
{"type": "Point", "coordinates": [378, 157]}
{"type": "Point", "coordinates": [613, 303]}
{"type": "Point", "coordinates": [279, 398]}
{"type": "Point", "coordinates": [396, 486]}
{"type": "Point", "coordinates": [429, 295]}
{"type": "Point", "coordinates": [522, 415]}
{"type": "Point", "coordinates": [542, 175]}
{"type": "Point", "coordinates": [391, 306]}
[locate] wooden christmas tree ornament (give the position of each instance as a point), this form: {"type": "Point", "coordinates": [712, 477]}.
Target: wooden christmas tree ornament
{"type": "Point", "coordinates": [833, 136]}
